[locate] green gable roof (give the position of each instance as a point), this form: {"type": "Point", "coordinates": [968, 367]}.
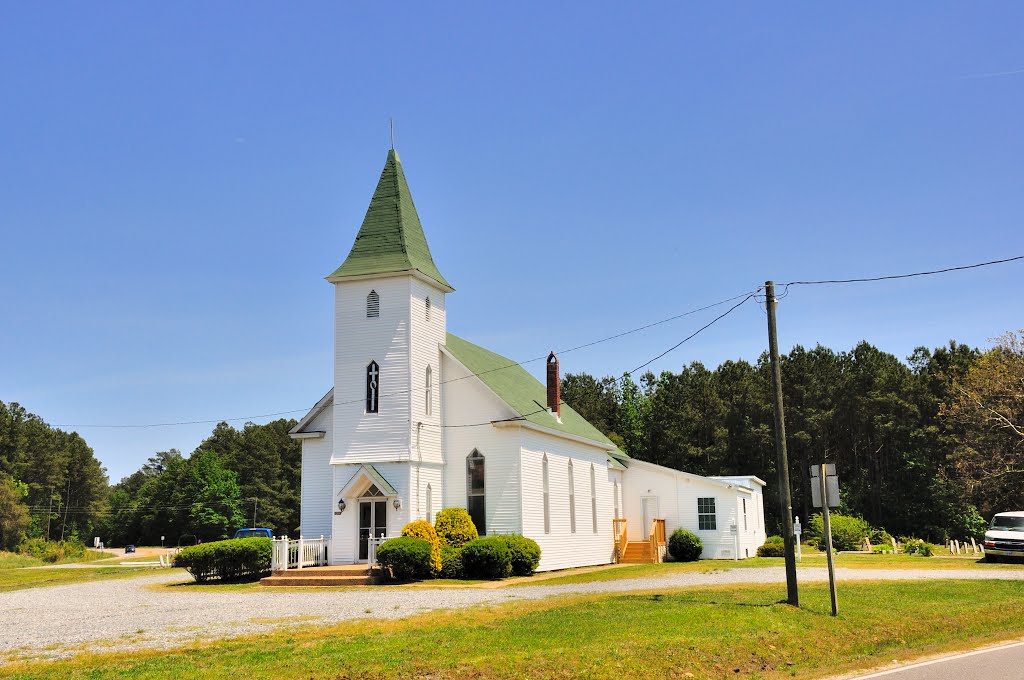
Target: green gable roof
{"type": "Point", "coordinates": [391, 237]}
{"type": "Point", "coordinates": [521, 391]}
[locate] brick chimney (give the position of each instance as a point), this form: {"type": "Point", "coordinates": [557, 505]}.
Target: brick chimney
{"type": "Point", "coordinates": [554, 386]}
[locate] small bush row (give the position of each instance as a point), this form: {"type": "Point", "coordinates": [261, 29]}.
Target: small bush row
{"type": "Point", "coordinates": [452, 549]}
{"type": "Point", "coordinates": [238, 558]}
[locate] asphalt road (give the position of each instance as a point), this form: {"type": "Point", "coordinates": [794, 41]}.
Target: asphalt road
{"type": "Point", "coordinates": [997, 663]}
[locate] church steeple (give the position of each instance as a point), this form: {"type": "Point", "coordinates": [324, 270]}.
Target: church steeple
{"type": "Point", "coordinates": [391, 238]}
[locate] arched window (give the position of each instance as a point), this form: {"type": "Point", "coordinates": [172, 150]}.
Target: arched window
{"type": "Point", "coordinates": [476, 502]}
{"type": "Point", "coordinates": [427, 308]}
{"type": "Point", "coordinates": [372, 305]}
{"type": "Point", "coordinates": [593, 497]}
{"type": "Point", "coordinates": [372, 387]}
{"type": "Point", "coordinates": [615, 501]}
{"type": "Point", "coordinates": [572, 501]}
{"type": "Point", "coordinates": [430, 505]}
{"type": "Point", "coordinates": [428, 394]}
{"type": "Point", "coordinates": [547, 498]}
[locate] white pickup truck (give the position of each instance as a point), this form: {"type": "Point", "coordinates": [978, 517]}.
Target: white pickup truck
{"type": "Point", "coordinates": [1005, 537]}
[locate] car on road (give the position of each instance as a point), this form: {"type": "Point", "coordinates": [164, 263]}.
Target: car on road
{"type": "Point", "coordinates": [129, 549]}
{"type": "Point", "coordinates": [1005, 536]}
{"type": "Point", "coordinates": [254, 532]}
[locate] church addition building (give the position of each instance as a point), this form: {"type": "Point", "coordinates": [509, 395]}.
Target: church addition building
{"type": "Point", "coordinates": [419, 419]}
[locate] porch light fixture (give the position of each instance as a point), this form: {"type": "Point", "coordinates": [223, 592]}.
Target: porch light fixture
{"type": "Point", "coordinates": [341, 505]}
{"type": "Point", "coordinates": [397, 503]}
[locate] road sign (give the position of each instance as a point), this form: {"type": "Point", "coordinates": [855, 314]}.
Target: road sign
{"type": "Point", "coordinates": [831, 486]}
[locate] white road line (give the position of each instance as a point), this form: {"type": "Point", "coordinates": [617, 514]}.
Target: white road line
{"type": "Point", "coordinates": [939, 660]}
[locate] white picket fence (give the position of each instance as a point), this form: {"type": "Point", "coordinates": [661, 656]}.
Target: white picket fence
{"type": "Point", "coordinates": [299, 553]}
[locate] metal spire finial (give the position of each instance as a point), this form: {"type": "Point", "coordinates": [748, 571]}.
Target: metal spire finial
{"type": "Point", "coordinates": [392, 133]}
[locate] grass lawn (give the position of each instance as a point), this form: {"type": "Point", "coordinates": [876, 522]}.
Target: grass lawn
{"type": "Point", "coordinates": [9, 560]}
{"type": "Point", "coordinates": [16, 579]}
{"type": "Point", "coordinates": [849, 561]}
{"type": "Point", "coordinates": [715, 632]}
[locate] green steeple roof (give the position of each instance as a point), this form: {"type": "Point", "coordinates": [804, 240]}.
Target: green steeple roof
{"type": "Point", "coordinates": [391, 237]}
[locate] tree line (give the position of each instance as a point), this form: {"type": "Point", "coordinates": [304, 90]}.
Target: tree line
{"type": "Point", "coordinates": [53, 487]}
{"type": "Point", "coordinates": [925, 447]}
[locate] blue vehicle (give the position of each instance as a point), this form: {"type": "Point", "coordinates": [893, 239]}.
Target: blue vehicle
{"type": "Point", "coordinates": [255, 532]}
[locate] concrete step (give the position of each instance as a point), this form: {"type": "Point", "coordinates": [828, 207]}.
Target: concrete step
{"type": "Point", "coordinates": [337, 570]}
{"type": "Point", "coordinates": [317, 581]}
{"type": "Point", "coordinates": [339, 575]}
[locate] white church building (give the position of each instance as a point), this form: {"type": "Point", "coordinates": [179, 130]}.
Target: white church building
{"type": "Point", "coordinates": [419, 419]}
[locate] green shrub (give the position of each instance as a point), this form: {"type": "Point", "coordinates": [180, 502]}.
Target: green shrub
{"type": "Point", "coordinates": [455, 527]}
{"type": "Point", "coordinates": [879, 536]}
{"type": "Point", "coordinates": [405, 558]}
{"type": "Point", "coordinates": [774, 546]}
{"type": "Point", "coordinates": [233, 559]}
{"type": "Point", "coordinates": [487, 557]}
{"type": "Point", "coordinates": [52, 551]}
{"type": "Point", "coordinates": [915, 546]}
{"type": "Point", "coordinates": [451, 562]}
{"type": "Point", "coordinates": [684, 546]}
{"type": "Point", "coordinates": [524, 554]}
{"type": "Point", "coordinates": [848, 532]}
{"type": "Point", "coordinates": [423, 529]}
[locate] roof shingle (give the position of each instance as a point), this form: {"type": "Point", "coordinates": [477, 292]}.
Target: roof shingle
{"type": "Point", "coordinates": [391, 238]}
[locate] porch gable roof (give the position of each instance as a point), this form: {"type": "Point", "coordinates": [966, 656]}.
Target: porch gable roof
{"type": "Point", "coordinates": [367, 472]}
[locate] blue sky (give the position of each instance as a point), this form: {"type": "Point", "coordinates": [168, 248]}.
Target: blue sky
{"type": "Point", "coordinates": [176, 181]}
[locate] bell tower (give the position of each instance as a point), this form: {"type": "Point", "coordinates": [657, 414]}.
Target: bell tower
{"type": "Point", "coordinates": [389, 324]}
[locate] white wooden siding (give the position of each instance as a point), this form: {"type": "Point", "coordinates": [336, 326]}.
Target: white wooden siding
{"type": "Point", "coordinates": [315, 512]}
{"type": "Point", "coordinates": [467, 401]}
{"type": "Point", "coordinates": [426, 340]}
{"type": "Point", "coordinates": [561, 548]}
{"type": "Point", "coordinates": [360, 436]}
{"type": "Point", "coordinates": [677, 495]}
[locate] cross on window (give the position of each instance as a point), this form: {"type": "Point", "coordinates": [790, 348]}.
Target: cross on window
{"type": "Point", "coordinates": [372, 387]}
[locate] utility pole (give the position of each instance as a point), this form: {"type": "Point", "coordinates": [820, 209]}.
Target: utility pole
{"type": "Point", "coordinates": [49, 515]}
{"type": "Point", "coordinates": [255, 501]}
{"type": "Point", "coordinates": [828, 539]}
{"type": "Point", "coordinates": [781, 457]}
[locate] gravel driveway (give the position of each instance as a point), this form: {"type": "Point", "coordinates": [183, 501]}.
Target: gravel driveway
{"type": "Point", "coordinates": [59, 621]}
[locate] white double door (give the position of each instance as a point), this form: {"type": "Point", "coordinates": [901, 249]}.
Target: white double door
{"type": "Point", "coordinates": [373, 521]}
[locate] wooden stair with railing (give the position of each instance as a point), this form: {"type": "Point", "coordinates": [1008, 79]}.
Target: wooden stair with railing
{"type": "Point", "coordinates": [648, 551]}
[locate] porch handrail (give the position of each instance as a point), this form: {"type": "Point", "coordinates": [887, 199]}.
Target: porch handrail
{"type": "Point", "coordinates": [619, 533]}
{"type": "Point", "coordinates": [372, 543]}
{"type": "Point", "coordinates": [302, 552]}
{"type": "Point", "coordinates": [657, 539]}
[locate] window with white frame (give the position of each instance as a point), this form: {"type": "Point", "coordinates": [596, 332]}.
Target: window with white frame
{"type": "Point", "coordinates": [706, 520]}
{"type": "Point", "coordinates": [593, 497]}
{"type": "Point", "coordinates": [428, 394]}
{"type": "Point", "coordinates": [547, 497]}
{"type": "Point", "coordinates": [430, 505]}
{"type": "Point", "coordinates": [745, 526]}
{"type": "Point", "coordinates": [615, 490]}
{"type": "Point", "coordinates": [572, 501]}
{"type": "Point", "coordinates": [372, 305]}
{"type": "Point", "coordinates": [476, 501]}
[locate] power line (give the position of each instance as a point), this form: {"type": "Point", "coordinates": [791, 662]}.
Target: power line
{"type": "Point", "coordinates": [192, 422]}
{"type": "Point", "coordinates": [694, 334]}
{"type": "Point", "coordinates": [904, 276]}
{"type": "Point", "coordinates": [745, 296]}
{"type": "Point", "coordinates": [442, 382]}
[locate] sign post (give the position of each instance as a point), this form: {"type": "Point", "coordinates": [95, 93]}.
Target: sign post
{"type": "Point", "coordinates": [823, 495]}
{"type": "Point", "coordinates": [797, 530]}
